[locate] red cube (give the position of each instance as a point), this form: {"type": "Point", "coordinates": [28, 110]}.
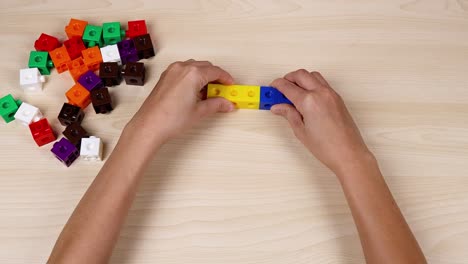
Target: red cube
{"type": "Point", "coordinates": [136, 28]}
{"type": "Point", "coordinates": [46, 43]}
{"type": "Point", "coordinates": [74, 46]}
{"type": "Point", "coordinates": [42, 132]}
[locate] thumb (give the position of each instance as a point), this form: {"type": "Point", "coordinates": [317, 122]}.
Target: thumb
{"type": "Point", "coordinates": [213, 105]}
{"type": "Point", "coordinates": [291, 114]}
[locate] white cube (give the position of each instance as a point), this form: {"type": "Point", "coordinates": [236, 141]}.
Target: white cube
{"type": "Point", "coordinates": [27, 114]}
{"type": "Point", "coordinates": [91, 148]}
{"type": "Point", "coordinates": [110, 53]}
{"type": "Point", "coordinates": [31, 80]}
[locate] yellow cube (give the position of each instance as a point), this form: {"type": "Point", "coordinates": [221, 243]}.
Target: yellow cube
{"type": "Point", "coordinates": [243, 96]}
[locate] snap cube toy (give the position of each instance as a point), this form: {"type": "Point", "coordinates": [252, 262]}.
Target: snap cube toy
{"type": "Point", "coordinates": [31, 80]}
{"type": "Point", "coordinates": [101, 100]}
{"type": "Point", "coordinates": [77, 68]}
{"type": "Point", "coordinates": [110, 54]}
{"type": "Point", "coordinates": [41, 61]}
{"type": "Point", "coordinates": [46, 43]}
{"type": "Point", "coordinates": [70, 114]}
{"type": "Point", "coordinates": [110, 73]}
{"type": "Point", "coordinates": [134, 73]}
{"type": "Point", "coordinates": [92, 36]}
{"type": "Point", "coordinates": [90, 81]}
{"type": "Point", "coordinates": [136, 28]}
{"type": "Point", "coordinates": [75, 28]}
{"type": "Point", "coordinates": [74, 47]}
{"type": "Point", "coordinates": [41, 132]}
{"type": "Point", "coordinates": [79, 96]}
{"type": "Point", "coordinates": [243, 96]}
{"type": "Point", "coordinates": [60, 58]}
{"type": "Point", "coordinates": [144, 46]}
{"type": "Point", "coordinates": [127, 51]}
{"type": "Point", "coordinates": [91, 148]}
{"type": "Point", "coordinates": [92, 58]}
{"type": "Point", "coordinates": [65, 151]}
{"type": "Point", "coordinates": [74, 133]}
{"type": "Point", "coordinates": [8, 107]}
{"type": "Point", "coordinates": [27, 114]}
{"type": "Point", "coordinates": [112, 33]}
{"type": "Point", "coordinates": [270, 96]}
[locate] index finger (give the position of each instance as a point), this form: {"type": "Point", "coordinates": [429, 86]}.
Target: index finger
{"type": "Point", "coordinates": [293, 92]}
{"type": "Point", "coordinates": [210, 74]}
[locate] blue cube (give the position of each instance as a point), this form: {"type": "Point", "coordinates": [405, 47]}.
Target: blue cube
{"type": "Point", "coordinates": [270, 96]}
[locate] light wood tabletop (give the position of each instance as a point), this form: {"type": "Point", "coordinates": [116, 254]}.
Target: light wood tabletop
{"type": "Point", "coordinates": [239, 188]}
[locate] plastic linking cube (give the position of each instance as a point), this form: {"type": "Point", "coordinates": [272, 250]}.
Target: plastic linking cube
{"type": "Point", "coordinates": [79, 96]}
{"type": "Point", "coordinates": [248, 96]}
{"type": "Point", "coordinates": [110, 73]}
{"type": "Point", "coordinates": [60, 58]}
{"type": "Point", "coordinates": [31, 80]}
{"type": "Point", "coordinates": [136, 28]}
{"type": "Point", "coordinates": [70, 114]}
{"type": "Point", "coordinates": [27, 114]}
{"type": "Point", "coordinates": [65, 151]}
{"type": "Point", "coordinates": [92, 36]}
{"type": "Point", "coordinates": [41, 132]}
{"type": "Point", "coordinates": [91, 148]}
{"type": "Point", "coordinates": [77, 68]}
{"type": "Point", "coordinates": [112, 33]}
{"type": "Point", "coordinates": [8, 107]}
{"type": "Point", "coordinates": [134, 73]}
{"type": "Point", "coordinates": [243, 96]}
{"type": "Point", "coordinates": [74, 133]}
{"type": "Point", "coordinates": [90, 81]}
{"type": "Point", "coordinates": [41, 61]}
{"type": "Point", "coordinates": [101, 100]}
{"type": "Point", "coordinates": [74, 47]}
{"type": "Point", "coordinates": [127, 51]}
{"type": "Point", "coordinates": [92, 58]}
{"type": "Point", "coordinates": [46, 43]}
{"type": "Point", "coordinates": [75, 28]}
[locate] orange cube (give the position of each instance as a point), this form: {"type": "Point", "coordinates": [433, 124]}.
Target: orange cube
{"type": "Point", "coordinates": [92, 58]}
{"type": "Point", "coordinates": [79, 96]}
{"type": "Point", "coordinates": [77, 67]}
{"type": "Point", "coordinates": [75, 28]}
{"type": "Point", "coordinates": [60, 58]}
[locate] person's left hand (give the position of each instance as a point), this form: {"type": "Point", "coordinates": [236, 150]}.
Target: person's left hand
{"type": "Point", "coordinates": [176, 104]}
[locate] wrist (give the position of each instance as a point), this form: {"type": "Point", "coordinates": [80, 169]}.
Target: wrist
{"type": "Point", "coordinates": [361, 162]}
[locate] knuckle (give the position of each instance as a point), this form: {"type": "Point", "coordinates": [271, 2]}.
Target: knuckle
{"type": "Point", "coordinates": [302, 71]}
{"type": "Point", "coordinates": [175, 65]}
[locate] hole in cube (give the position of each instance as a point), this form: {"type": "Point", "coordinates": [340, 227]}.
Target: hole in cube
{"type": "Point", "coordinates": [217, 92]}
{"type": "Point", "coordinates": [111, 30]}
{"type": "Point", "coordinates": [38, 59]}
{"type": "Point", "coordinates": [233, 92]}
{"type": "Point", "coordinates": [92, 33]}
{"type": "Point", "coordinates": [268, 94]}
{"type": "Point", "coordinates": [107, 69]}
{"type": "Point", "coordinates": [251, 93]}
{"type": "Point", "coordinates": [133, 80]}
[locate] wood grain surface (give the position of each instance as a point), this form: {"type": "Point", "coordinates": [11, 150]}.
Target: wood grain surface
{"type": "Point", "coordinates": [239, 188]}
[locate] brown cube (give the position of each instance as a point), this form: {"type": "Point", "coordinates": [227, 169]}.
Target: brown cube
{"type": "Point", "coordinates": [134, 73]}
{"type": "Point", "coordinates": [144, 46]}
{"type": "Point", "coordinates": [74, 133]}
{"type": "Point", "coordinates": [101, 100]}
{"type": "Point", "coordinates": [110, 73]}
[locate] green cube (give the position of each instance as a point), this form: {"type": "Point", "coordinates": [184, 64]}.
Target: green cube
{"type": "Point", "coordinates": [8, 107]}
{"type": "Point", "coordinates": [40, 60]}
{"type": "Point", "coordinates": [92, 36]}
{"type": "Point", "coordinates": [112, 33]}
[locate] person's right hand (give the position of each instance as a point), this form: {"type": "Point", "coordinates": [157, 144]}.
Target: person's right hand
{"type": "Point", "coordinates": [320, 120]}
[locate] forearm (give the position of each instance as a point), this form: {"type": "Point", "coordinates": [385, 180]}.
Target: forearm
{"type": "Point", "coordinates": [92, 231]}
{"type": "Point", "coordinates": [385, 235]}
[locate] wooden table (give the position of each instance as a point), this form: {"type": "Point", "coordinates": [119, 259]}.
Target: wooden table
{"type": "Point", "coordinates": [239, 188]}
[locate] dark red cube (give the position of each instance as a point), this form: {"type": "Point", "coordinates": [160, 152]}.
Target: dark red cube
{"type": "Point", "coordinates": [74, 46]}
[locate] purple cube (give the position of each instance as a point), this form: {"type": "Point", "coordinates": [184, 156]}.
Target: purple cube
{"type": "Point", "coordinates": [90, 81]}
{"type": "Point", "coordinates": [127, 50]}
{"type": "Point", "coordinates": [65, 151]}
